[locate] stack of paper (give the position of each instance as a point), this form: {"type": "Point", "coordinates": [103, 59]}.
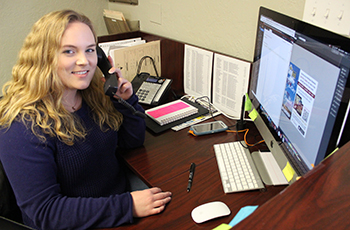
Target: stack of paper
{"type": "Point", "coordinates": [115, 22]}
{"type": "Point", "coordinates": [127, 54]}
{"type": "Point", "coordinates": [230, 77]}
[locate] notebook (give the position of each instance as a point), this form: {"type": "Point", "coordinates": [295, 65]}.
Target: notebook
{"type": "Point", "coordinates": [171, 112]}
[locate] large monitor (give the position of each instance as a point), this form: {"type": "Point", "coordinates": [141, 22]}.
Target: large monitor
{"type": "Point", "coordinates": [299, 86]}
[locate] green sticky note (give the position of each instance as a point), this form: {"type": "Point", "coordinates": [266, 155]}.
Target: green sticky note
{"type": "Point", "coordinates": [288, 172]}
{"type": "Point", "coordinates": [248, 103]}
{"type": "Point", "coordinates": [223, 227]}
{"type": "Point", "coordinates": [253, 114]}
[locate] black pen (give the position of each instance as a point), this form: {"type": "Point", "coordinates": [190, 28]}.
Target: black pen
{"type": "Point", "coordinates": [190, 178]}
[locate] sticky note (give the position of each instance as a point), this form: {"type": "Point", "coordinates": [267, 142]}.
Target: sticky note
{"type": "Point", "coordinates": [253, 114]}
{"type": "Point", "coordinates": [223, 227]}
{"type": "Point", "coordinates": [242, 214]}
{"type": "Point", "coordinates": [331, 153]}
{"type": "Point", "coordinates": [248, 103]}
{"type": "Point", "coordinates": [288, 172]}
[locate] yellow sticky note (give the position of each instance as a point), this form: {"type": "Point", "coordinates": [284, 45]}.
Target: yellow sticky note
{"type": "Point", "coordinates": [248, 103]}
{"type": "Point", "coordinates": [253, 114]}
{"type": "Point", "coordinates": [288, 172]}
{"type": "Point", "coordinates": [331, 153]}
{"type": "Point", "coordinates": [222, 227]}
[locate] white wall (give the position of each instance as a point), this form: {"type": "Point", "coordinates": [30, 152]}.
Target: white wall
{"type": "Point", "coordinates": [333, 15]}
{"type": "Point", "coordinates": [224, 26]}
{"type": "Point", "coordinates": [18, 16]}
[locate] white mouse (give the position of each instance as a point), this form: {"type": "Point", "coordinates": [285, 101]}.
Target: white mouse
{"type": "Point", "coordinates": [209, 211]}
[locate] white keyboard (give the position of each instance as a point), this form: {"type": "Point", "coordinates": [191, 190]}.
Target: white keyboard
{"type": "Point", "coordinates": [236, 168]}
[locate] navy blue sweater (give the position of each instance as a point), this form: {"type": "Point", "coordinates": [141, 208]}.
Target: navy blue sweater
{"type": "Point", "coordinates": [72, 187]}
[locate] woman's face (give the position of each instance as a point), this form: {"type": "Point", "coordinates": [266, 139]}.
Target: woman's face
{"type": "Point", "coordinates": [77, 57]}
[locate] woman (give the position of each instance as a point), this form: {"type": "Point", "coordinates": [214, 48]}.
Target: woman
{"type": "Point", "coordinates": [59, 133]}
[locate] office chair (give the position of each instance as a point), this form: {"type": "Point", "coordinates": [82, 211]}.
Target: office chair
{"type": "Point", "coordinates": [8, 205]}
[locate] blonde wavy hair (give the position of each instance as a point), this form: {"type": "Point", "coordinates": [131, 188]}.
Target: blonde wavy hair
{"type": "Point", "coordinates": [34, 95]}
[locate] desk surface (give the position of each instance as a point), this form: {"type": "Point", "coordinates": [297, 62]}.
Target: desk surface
{"type": "Point", "coordinates": [319, 200]}
{"type": "Point", "coordinates": [164, 161]}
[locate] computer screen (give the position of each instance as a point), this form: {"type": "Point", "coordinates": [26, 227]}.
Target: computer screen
{"type": "Point", "coordinates": [299, 86]}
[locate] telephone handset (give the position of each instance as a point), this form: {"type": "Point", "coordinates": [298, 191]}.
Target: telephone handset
{"type": "Point", "coordinates": [111, 84]}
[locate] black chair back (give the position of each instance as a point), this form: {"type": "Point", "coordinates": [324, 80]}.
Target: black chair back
{"type": "Point", "coordinates": [8, 205]}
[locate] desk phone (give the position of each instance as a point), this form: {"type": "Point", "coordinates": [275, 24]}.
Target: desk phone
{"type": "Point", "coordinates": [150, 90]}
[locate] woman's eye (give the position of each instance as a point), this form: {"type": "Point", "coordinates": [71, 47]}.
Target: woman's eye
{"type": "Point", "coordinates": [90, 50]}
{"type": "Point", "coordinates": [68, 51]}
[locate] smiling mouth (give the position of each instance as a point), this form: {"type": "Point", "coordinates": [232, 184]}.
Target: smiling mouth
{"type": "Point", "coordinates": [80, 72]}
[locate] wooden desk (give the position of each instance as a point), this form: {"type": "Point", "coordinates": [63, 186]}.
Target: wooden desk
{"type": "Point", "coordinates": [169, 154]}
{"type": "Point", "coordinates": [164, 161]}
{"type": "Point", "coordinates": [319, 200]}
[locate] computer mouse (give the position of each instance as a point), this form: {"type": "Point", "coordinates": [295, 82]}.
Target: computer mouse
{"type": "Point", "coordinates": [210, 211]}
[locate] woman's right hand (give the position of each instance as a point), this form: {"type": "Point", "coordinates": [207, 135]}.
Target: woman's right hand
{"type": "Point", "coordinates": [149, 201]}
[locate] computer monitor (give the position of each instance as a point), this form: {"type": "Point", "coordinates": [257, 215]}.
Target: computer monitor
{"type": "Point", "coordinates": [299, 87]}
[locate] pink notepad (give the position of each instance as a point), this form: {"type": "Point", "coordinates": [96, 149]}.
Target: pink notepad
{"type": "Point", "coordinates": [170, 112]}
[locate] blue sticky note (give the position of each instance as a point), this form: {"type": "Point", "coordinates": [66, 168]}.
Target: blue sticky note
{"type": "Point", "coordinates": [242, 214]}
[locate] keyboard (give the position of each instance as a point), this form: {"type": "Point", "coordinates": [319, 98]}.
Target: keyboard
{"type": "Point", "coordinates": [236, 167]}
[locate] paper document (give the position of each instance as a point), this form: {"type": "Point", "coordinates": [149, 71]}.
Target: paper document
{"type": "Point", "coordinates": [115, 22]}
{"type": "Point", "coordinates": [195, 121]}
{"type": "Point", "coordinates": [107, 46]}
{"type": "Point", "coordinates": [197, 71]}
{"type": "Point", "coordinates": [230, 83]}
{"type": "Point", "coordinates": [128, 58]}
{"type": "Point", "coordinates": [114, 14]}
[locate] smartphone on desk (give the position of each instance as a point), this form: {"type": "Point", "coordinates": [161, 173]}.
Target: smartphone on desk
{"type": "Point", "coordinates": [208, 128]}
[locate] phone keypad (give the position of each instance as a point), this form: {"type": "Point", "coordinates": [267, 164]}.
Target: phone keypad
{"type": "Point", "coordinates": [147, 92]}
{"type": "Point", "coordinates": [142, 94]}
